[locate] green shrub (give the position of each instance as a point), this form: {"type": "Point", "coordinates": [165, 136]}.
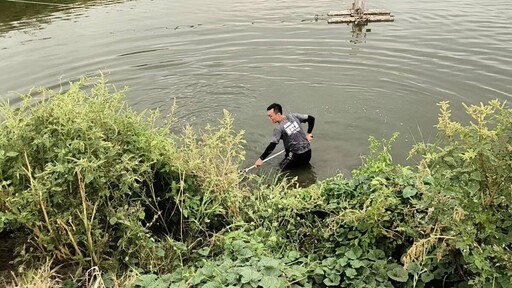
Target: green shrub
{"type": "Point", "coordinates": [87, 180]}
{"type": "Point", "coordinates": [469, 202]}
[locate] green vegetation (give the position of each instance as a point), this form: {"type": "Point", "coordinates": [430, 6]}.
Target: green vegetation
{"type": "Point", "coordinates": [100, 195]}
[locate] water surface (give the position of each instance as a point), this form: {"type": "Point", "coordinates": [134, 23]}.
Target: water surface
{"type": "Point", "coordinates": [242, 55]}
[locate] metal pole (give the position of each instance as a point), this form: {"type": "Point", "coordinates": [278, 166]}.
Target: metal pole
{"type": "Point", "coordinates": [278, 153]}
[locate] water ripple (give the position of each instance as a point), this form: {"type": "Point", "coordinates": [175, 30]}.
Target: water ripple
{"type": "Point", "coordinates": [242, 55]}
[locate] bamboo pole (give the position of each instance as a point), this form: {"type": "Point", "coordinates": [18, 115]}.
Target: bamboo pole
{"type": "Point", "coordinates": [359, 15]}
{"type": "Point", "coordinates": [352, 13]}
{"type": "Point", "coordinates": [370, 18]}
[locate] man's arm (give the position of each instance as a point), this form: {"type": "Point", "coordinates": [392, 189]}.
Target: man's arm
{"type": "Point", "coordinates": [265, 154]}
{"type": "Point", "coordinates": [311, 124]}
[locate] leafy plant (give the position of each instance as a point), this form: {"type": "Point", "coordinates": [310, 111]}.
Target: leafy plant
{"type": "Point", "coordinates": [88, 180]}
{"type": "Point", "coordinates": [471, 169]}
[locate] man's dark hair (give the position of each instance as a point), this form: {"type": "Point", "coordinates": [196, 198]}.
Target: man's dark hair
{"type": "Point", "coordinates": [276, 107]}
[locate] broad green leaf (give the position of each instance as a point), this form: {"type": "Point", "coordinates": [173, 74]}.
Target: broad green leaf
{"type": "Point", "coordinates": [168, 278]}
{"type": "Point", "coordinates": [245, 253]}
{"type": "Point", "coordinates": [351, 272]}
{"type": "Point", "coordinates": [450, 161]}
{"type": "Point", "coordinates": [476, 176]}
{"type": "Point", "coordinates": [230, 277]}
{"type": "Point", "coordinates": [113, 220]}
{"type": "Point", "coordinates": [271, 271]}
{"type": "Point", "coordinates": [179, 245]}
{"type": "Point", "coordinates": [474, 187]}
{"type": "Point", "coordinates": [319, 271]}
{"type": "Point", "coordinates": [333, 280]}
{"type": "Point", "coordinates": [238, 244]}
{"type": "Point", "coordinates": [398, 274]}
{"type": "Point", "coordinates": [249, 275]}
{"type": "Point", "coordinates": [356, 263]}
{"type": "Point", "coordinates": [268, 262]}
{"type": "Point", "coordinates": [409, 191]}
{"type": "Point", "coordinates": [207, 271]}
{"type": "Point", "coordinates": [428, 179]}
{"type": "Point", "coordinates": [293, 255]}
{"type": "Point", "coordinates": [427, 277]}
{"type": "Point", "coordinates": [196, 279]}
{"type": "Point", "coordinates": [160, 252]}
{"type": "Point", "coordinates": [146, 280]}
{"type": "Point", "coordinates": [68, 283]}
{"type": "Point", "coordinates": [351, 255]}
{"type": "Point", "coordinates": [353, 234]}
{"type": "Point", "coordinates": [181, 284]}
{"type": "Point", "coordinates": [212, 285]}
{"type": "Point", "coordinates": [354, 253]}
{"type": "Point", "coordinates": [329, 262]}
{"type": "Point", "coordinates": [376, 254]}
{"type": "Point", "coordinates": [270, 282]}
{"type": "Point", "coordinates": [12, 154]}
{"type": "Point", "coordinates": [88, 177]}
{"type": "Point", "coordinates": [298, 271]}
{"type": "Point", "coordinates": [204, 251]}
{"type": "Point", "coordinates": [414, 268]}
{"type": "Point", "coordinates": [342, 261]}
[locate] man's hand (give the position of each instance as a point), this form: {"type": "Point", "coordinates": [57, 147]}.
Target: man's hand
{"type": "Point", "coordinates": [258, 163]}
{"type": "Point", "coordinates": [309, 137]}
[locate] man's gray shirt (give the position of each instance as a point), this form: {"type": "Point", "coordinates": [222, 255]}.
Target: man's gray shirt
{"type": "Point", "coordinates": [291, 132]}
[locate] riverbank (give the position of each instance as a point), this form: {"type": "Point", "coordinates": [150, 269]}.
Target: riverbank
{"type": "Point", "coordinates": [99, 195]}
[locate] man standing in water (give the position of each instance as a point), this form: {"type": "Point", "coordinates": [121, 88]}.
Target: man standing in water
{"type": "Point", "coordinates": [296, 142]}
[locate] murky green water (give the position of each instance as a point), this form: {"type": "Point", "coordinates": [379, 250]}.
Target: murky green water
{"type": "Point", "coordinates": [242, 55]}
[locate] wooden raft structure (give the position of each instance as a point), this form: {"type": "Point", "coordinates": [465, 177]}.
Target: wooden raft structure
{"type": "Point", "coordinates": [360, 15]}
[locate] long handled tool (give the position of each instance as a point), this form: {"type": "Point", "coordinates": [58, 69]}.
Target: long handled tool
{"type": "Point", "coordinates": [278, 153]}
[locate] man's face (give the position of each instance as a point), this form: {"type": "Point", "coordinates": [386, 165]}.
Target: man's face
{"type": "Point", "coordinates": [272, 116]}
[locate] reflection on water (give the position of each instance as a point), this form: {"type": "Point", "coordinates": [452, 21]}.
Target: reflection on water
{"type": "Point", "coordinates": [301, 177]}
{"type": "Point", "coordinates": [305, 175]}
{"type": "Point", "coordinates": [359, 33]}
{"type": "Point", "coordinates": [33, 15]}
